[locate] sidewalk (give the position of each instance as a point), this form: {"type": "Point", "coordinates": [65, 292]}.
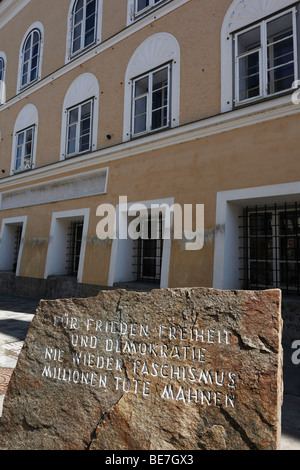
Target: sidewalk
{"type": "Point", "coordinates": [16, 314]}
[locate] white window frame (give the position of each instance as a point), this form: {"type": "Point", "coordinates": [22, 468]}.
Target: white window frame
{"type": "Point", "coordinates": [37, 26]}
{"type": "Point", "coordinates": [149, 111]}
{"type": "Point", "coordinates": [153, 53]}
{"type": "Point", "coordinates": [28, 117]}
{"type": "Point", "coordinates": [6, 244]}
{"type": "Point", "coordinates": [56, 255]}
{"type": "Point", "coordinates": [78, 124]}
{"type": "Point", "coordinates": [82, 89]}
{"type": "Point", "coordinates": [69, 40]}
{"type": "Point", "coordinates": [152, 4]}
{"type": "Point", "coordinates": [120, 269]}
{"type": "Point", "coordinates": [263, 57]}
{"type": "Point", "coordinates": [23, 147]}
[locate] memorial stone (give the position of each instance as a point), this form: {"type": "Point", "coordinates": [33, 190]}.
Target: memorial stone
{"type": "Point", "coordinates": [171, 369]}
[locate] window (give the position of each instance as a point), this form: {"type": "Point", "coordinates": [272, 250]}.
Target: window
{"type": "Point", "coordinates": [66, 249]}
{"type": "Point", "coordinates": [31, 58]}
{"type": "Point", "coordinates": [2, 68]}
{"type": "Point", "coordinates": [84, 22]}
{"type": "Point", "coordinates": [25, 140]}
{"type": "Point", "coordinates": [74, 247]}
{"type": "Point", "coordinates": [152, 87]}
{"type": "Point", "coordinates": [148, 250]}
{"type": "Point", "coordinates": [2, 77]}
{"type": "Point", "coordinates": [144, 5]}
{"type": "Point", "coordinates": [266, 58]}
{"type": "Point", "coordinates": [79, 129]}
{"type": "Point", "coordinates": [79, 123]}
{"type": "Point", "coordinates": [11, 243]}
{"type": "Point", "coordinates": [24, 150]}
{"type": "Point", "coordinates": [150, 107]}
{"type": "Point", "coordinates": [272, 247]}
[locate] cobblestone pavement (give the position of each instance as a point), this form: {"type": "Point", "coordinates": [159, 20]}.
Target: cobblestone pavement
{"type": "Point", "coordinates": [16, 314]}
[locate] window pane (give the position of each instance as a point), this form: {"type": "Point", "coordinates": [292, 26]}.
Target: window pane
{"type": "Point", "coordinates": [1, 69]}
{"type": "Point", "coordinates": [71, 146]}
{"type": "Point", "coordinates": [89, 37]}
{"type": "Point", "coordinates": [72, 132]}
{"type": "Point", "coordinates": [261, 224]}
{"type": "Point", "coordinates": [141, 86]}
{"type": "Point", "coordinates": [280, 28]}
{"type": "Point", "coordinates": [78, 12]}
{"type": "Point", "coordinates": [141, 4]}
{"type": "Point", "coordinates": [249, 41]}
{"type": "Point", "coordinates": [20, 139]}
{"type": "Point", "coordinates": [159, 118]}
{"type": "Point", "coordinates": [140, 124]}
{"type": "Point", "coordinates": [261, 273]}
{"type": "Point", "coordinates": [91, 8]}
{"type": "Point", "coordinates": [160, 79]}
{"type": "Point", "coordinates": [73, 116]}
{"type": "Point", "coordinates": [140, 106]}
{"type": "Point", "coordinates": [249, 79]}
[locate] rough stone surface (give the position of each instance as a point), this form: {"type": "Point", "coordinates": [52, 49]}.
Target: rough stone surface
{"type": "Point", "coordinates": [173, 369]}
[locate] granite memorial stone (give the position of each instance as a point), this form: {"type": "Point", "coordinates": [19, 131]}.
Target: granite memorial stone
{"type": "Point", "coordinates": [172, 369]}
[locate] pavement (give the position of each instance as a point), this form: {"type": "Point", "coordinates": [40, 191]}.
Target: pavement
{"type": "Point", "coordinates": [16, 314]}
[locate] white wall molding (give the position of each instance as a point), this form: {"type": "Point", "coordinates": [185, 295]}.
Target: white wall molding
{"type": "Point", "coordinates": [77, 186]}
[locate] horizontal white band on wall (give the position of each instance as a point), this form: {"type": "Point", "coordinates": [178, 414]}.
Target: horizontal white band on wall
{"type": "Point", "coordinates": [77, 186]}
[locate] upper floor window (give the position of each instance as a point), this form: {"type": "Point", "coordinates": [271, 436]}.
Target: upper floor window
{"type": "Point", "coordinates": [80, 117]}
{"type": "Point", "coordinates": [31, 58]}
{"type": "Point", "coordinates": [259, 42]}
{"type": "Point", "coordinates": [84, 24]}
{"type": "Point", "coordinates": [2, 77]}
{"type": "Point", "coordinates": [79, 129]}
{"type": "Point", "coordinates": [138, 8]}
{"type": "Point", "coordinates": [24, 150]}
{"type": "Point", "coordinates": [2, 69]}
{"type": "Point", "coordinates": [151, 101]}
{"type": "Point", "coordinates": [266, 58]}
{"type": "Point", "coordinates": [142, 5]}
{"type": "Point", "coordinates": [25, 140]}
{"type": "Point", "coordinates": [152, 87]}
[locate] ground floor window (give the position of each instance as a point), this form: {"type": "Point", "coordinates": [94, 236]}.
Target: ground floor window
{"type": "Point", "coordinates": [147, 252]}
{"type": "Point", "coordinates": [74, 247]}
{"type": "Point", "coordinates": [270, 247]}
{"type": "Point", "coordinates": [11, 235]}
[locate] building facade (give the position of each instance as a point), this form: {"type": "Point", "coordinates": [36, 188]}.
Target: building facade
{"type": "Point", "coordinates": [161, 103]}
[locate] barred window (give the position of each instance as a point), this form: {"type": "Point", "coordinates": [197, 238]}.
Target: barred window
{"type": "Point", "coordinates": [74, 247]}
{"type": "Point", "coordinates": [270, 247]}
{"type": "Point", "coordinates": [148, 250]}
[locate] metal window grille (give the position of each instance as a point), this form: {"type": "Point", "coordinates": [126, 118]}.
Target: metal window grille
{"type": "Point", "coordinates": [74, 246]}
{"type": "Point", "coordinates": [147, 257]}
{"type": "Point", "coordinates": [270, 247]}
{"type": "Point", "coordinates": [17, 243]}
